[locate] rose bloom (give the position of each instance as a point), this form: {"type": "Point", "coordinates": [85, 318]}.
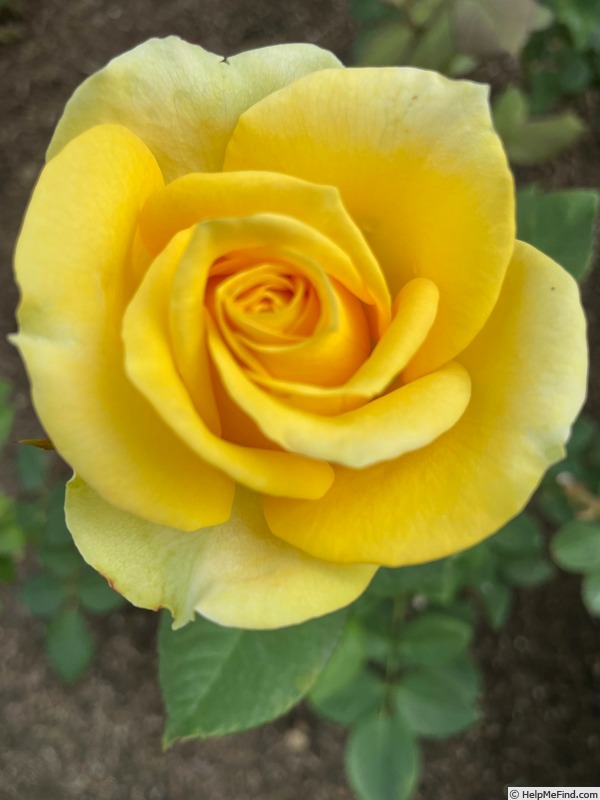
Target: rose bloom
{"type": "Point", "coordinates": [276, 320]}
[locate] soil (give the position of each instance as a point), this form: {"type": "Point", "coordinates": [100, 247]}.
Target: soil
{"type": "Point", "coordinates": [101, 739]}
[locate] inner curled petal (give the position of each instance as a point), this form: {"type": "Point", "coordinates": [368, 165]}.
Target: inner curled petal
{"type": "Point", "coordinates": [269, 306]}
{"type": "Point", "coordinates": [414, 313]}
{"type": "Point", "coordinates": [288, 320]}
{"type": "Point", "coordinates": [199, 197]}
{"type": "Point", "coordinates": [283, 298]}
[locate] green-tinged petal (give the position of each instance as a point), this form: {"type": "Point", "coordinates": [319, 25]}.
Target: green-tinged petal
{"type": "Point", "coordinates": [419, 167]}
{"type": "Point", "coordinates": [235, 574]}
{"type": "Point", "coordinates": [181, 100]}
{"type": "Point", "coordinates": [528, 369]}
{"type": "Point", "coordinates": [71, 264]}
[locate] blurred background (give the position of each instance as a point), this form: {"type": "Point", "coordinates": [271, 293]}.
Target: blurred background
{"type": "Point", "coordinates": [82, 715]}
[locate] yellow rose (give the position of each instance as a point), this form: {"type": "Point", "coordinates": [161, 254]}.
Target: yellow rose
{"type": "Point", "coordinates": [300, 280]}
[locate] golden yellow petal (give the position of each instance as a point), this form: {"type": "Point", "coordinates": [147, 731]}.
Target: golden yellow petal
{"type": "Point", "coordinates": [528, 369]}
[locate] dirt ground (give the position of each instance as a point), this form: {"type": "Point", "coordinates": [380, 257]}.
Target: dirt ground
{"type": "Point", "coordinates": [101, 739]}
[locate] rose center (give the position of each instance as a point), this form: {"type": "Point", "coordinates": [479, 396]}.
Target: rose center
{"type": "Point", "coordinates": [264, 303]}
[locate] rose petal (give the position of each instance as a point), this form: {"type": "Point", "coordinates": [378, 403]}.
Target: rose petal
{"type": "Point", "coordinates": [181, 100]}
{"type": "Point", "coordinates": [403, 420]}
{"type": "Point", "coordinates": [338, 347]}
{"type": "Point", "coordinates": [418, 166]}
{"type": "Point", "coordinates": [71, 264]}
{"type": "Point", "coordinates": [235, 574]}
{"type": "Point", "coordinates": [528, 369]}
{"type": "Point", "coordinates": [198, 197]}
{"type": "Point", "coordinates": [151, 365]}
{"type": "Point", "coordinates": [414, 313]}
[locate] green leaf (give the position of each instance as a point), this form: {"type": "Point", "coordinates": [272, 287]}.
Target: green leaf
{"type": "Point", "coordinates": [461, 64]}
{"type": "Point", "coordinates": [440, 702]}
{"type": "Point", "coordinates": [433, 639]}
{"type": "Point", "coordinates": [362, 695]}
{"type": "Point", "coordinates": [7, 569]}
{"type": "Point", "coordinates": [472, 566]}
{"type": "Point", "coordinates": [573, 72]}
{"type": "Point", "coordinates": [218, 680]}
{"type": "Point", "coordinates": [6, 507]}
{"type": "Point", "coordinates": [419, 579]}
{"type": "Point", "coordinates": [96, 595]}
{"type": "Point", "coordinates": [509, 112]}
{"type": "Point", "coordinates": [31, 467]}
{"type": "Point", "coordinates": [521, 536]}
{"type": "Point", "coordinates": [29, 516]}
{"type": "Point", "coordinates": [496, 598]}
{"type": "Point", "coordinates": [382, 759]}
{"type": "Point", "coordinates": [7, 414]}
{"type": "Point", "coordinates": [591, 592]}
{"type": "Point", "coordinates": [421, 11]}
{"type": "Point", "coordinates": [581, 17]}
{"type": "Point", "coordinates": [62, 561]}
{"type": "Point", "coordinates": [44, 595]}
{"type": "Point", "coordinates": [561, 224]}
{"type": "Point", "coordinates": [527, 571]}
{"type": "Point", "coordinates": [584, 432]}
{"type": "Point", "coordinates": [553, 504]}
{"type": "Point", "coordinates": [56, 532]}
{"type": "Point", "coordinates": [384, 46]}
{"type": "Point", "coordinates": [576, 547]}
{"type": "Point", "coordinates": [545, 91]}
{"type": "Point", "coordinates": [69, 644]}
{"type": "Point", "coordinates": [370, 12]}
{"type": "Point", "coordinates": [435, 48]}
{"type": "Point", "coordinates": [343, 666]}
{"type": "Point", "coordinates": [12, 539]}
{"type": "Point", "coordinates": [461, 609]}
{"type": "Point", "coordinates": [540, 140]}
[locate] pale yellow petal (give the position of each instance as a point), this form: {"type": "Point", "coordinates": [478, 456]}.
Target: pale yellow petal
{"type": "Point", "coordinates": [71, 264]}
{"type": "Point", "coordinates": [418, 166]}
{"type": "Point", "coordinates": [235, 574]}
{"type": "Point", "coordinates": [528, 372]}
{"type": "Point", "coordinates": [181, 100]}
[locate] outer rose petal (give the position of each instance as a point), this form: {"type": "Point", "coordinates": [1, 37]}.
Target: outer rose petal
{"type": "Point", "coordinates": [236, 574]}
{"type": "Point", "coordinates": [71, 264]}
{"type": "Point", "coordinates": [181, 100]}
{"type": "Point", "coordinates": [420, 169]}
{"type": "Point", "coordinates": [528, 371]}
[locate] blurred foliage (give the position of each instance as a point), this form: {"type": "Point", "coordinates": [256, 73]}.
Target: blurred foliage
{"type": "Point", "coordinates": [528, 140]}
{"type": "Point", "coordinates": [564, 59]}
{"type": "Point", "coordinates": [65, 587]}
{"type": "Point", "coordinates": [561, 224]}
{"type": "Point", "coordinates": [11, 25]}
{"type": "Point", "coordinates": [404, 670]}
{"type": "Point", "coordinates": [570, 499]}
{"type": "Point", "coordinates": [555, 41]}
{"type": "Point", "coordinates": [450, 36]}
